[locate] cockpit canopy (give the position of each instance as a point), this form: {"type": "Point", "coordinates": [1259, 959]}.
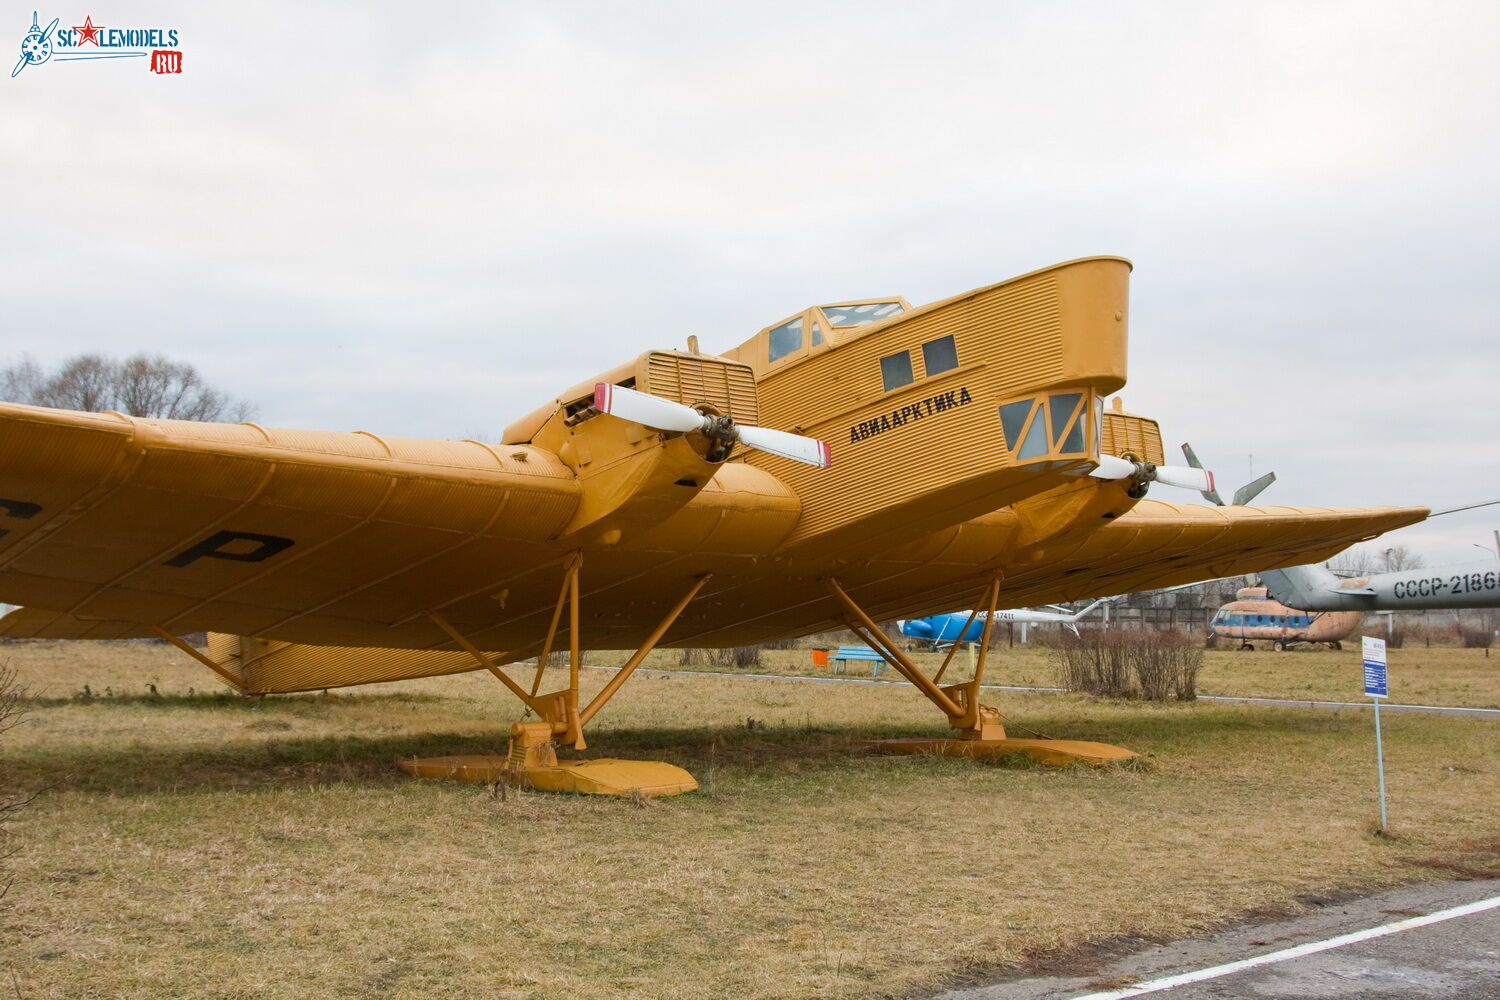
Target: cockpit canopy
{"type": "Point", "coordinates": [860, 313]}
{"type": "Point", "coordinates": [812, 328]}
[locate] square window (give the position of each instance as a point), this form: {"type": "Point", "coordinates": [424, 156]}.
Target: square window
{"type": "Point", "coordinates": [939, 355]}
{"type": "Point", "coordinates": [895, 369]}
{"type": "Point", "coordinates": [786, 339]}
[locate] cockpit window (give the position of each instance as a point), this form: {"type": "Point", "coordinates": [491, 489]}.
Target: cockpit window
{"type": "Point", "coordinates": [786, 338]}
{"type": "Point", "coordinates": [869, 312]}
{"type": "Point", "coordinates": [1063, 406]}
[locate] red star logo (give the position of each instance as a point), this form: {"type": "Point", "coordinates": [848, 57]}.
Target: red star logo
{"type": "Point", "coordinates": [88, 31]}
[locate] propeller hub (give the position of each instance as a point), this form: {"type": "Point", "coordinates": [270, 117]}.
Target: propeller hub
{"type": "Point", "coordinates": [720, 427]}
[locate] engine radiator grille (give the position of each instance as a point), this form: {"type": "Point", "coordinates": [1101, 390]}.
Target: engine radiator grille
{"type": "Point", "coordinates": [727, 386]}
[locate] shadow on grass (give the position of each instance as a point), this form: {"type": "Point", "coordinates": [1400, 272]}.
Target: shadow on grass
{"type": "Point", "coordinates": [271, 759]}
{"type": "Point", "coordinates": [228, 700]}
{"type": "Point", "coordinates": [327, 760]}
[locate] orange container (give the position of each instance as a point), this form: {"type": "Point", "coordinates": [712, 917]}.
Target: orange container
{"type": "Point", "coordinates": [820, 658]}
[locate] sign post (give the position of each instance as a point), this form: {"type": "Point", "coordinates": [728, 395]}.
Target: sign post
{"type": "Point", "coordinates": [1376, 687]}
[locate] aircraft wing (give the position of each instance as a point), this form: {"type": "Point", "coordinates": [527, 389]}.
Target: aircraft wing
{"type": "Point", "coordinates": [348, 540]}
{"type": "Point", "coordinates": [1160, 544]}
{"type": "Point", "coordinates": [106, 519]}
{"type": "Point", "coordinates": [35, 623]}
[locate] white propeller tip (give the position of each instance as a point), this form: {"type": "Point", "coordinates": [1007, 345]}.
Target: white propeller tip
{"type": "Point", "coordinates": [1186, 478]}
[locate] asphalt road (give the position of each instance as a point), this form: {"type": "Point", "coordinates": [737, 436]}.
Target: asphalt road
{"type": "Point", "coordinates": [1458, 957]}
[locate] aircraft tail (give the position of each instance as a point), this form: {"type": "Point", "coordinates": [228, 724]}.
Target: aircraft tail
{"type": "Point", "coordinates": [1079, 614]}
{"type": "Point", "coordinates": [1304, 587]}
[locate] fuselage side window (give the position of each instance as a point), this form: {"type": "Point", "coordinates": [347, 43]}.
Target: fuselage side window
{"type": "Point", "coordinates": [939, 355]}
{"type": "Point", "coordinates": [786, 339]}
{"type": "Point", "coordinates": [895, 370]}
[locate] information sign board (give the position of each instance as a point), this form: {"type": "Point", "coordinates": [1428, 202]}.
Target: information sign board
{"type": "Point", "coordinates": [1375, 675]}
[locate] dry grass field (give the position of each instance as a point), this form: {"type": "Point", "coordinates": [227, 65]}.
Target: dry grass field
{"type": "Point", "coordinates": [1436, 675]}
{"type": "Point", "coordinates": [187, 844]}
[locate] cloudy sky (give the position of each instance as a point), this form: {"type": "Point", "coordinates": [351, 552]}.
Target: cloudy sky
{"type": "Point", "coordinates": [426, 220]}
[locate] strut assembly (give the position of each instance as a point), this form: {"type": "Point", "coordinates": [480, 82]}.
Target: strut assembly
{"type": "Point", "coordinates": [980, 732]}
{"type": "Point", "coordinates": [531, 754]}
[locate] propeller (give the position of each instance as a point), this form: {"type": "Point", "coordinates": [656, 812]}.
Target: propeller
{"type": "Point", "coordinates": [1242, 496]}
{"type": "Point", "coordinates": [666, 415]}
{"type": "Point", "coordinates": [1111, 467]}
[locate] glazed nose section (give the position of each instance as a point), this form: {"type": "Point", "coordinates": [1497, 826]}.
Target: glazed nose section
{"type": "Point", "coordinates": [919, 628]}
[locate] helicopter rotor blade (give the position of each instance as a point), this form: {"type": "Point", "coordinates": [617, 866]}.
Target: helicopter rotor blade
{"type": "Point", "coordinates": [1211, 495]}
{"type": "Point", "coordinates": [1250, 491]}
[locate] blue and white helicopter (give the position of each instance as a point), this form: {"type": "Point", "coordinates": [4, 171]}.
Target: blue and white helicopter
{"type": "Point", "coordinates": [944, 630]}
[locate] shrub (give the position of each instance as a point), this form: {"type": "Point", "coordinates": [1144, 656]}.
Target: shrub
{"type": "Point", "coordinates": [1149, 664]}
{"type": "Point", "coordinates": [1477, 638]}
{"type": "Point", "coordinates": [1396, 638]}
{"type": "Point", "coordinates": [737, 656]}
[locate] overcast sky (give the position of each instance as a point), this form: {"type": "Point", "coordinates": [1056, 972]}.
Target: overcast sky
{"type": "Point", "coordinates": [428, 219]}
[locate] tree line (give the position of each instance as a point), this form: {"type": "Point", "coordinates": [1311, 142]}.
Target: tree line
{"type": "Point", "coordinates": [142, 385]}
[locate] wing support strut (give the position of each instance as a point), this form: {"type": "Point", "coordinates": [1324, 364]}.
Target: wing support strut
{"type": "Point", "coordinates": [225, 675]}
{"type": "Point", "coordinates": [980, 733]}
{"type": "Point", "coordinates": [646, 647]}
{"type": "Point", "coordinates": [560, 708]}
{"type": "Point", "coordinates": [959, 702]}
{"type": "Point", "coordinates": [531, 756]}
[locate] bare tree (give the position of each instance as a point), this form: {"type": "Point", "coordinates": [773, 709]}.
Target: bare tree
{"type": "Point", "coordinates": [1358, 561]}
{"type": "Point", "coordinates": [143, 385]}
{"type": "Point", "coordinates": [22, 382]}
{"type": "Point", "coordinates": [1399, 557]}
{"type": "Point", "coordinates": [1364, 560]}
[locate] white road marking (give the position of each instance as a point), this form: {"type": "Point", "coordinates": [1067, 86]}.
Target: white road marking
{"type": "Point", "coordinates": [1300, 950]}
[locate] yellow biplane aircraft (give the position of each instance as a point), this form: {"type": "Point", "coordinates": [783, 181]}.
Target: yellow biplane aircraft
{"type": "Point", "coordinates": [652, 505]}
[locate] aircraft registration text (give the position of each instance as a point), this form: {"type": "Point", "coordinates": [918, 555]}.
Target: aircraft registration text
{"type": "Point", "coordinates": [1464, 583]}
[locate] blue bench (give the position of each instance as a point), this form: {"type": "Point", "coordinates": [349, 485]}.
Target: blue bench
{"type": "Point", "coordinates": [845, 653]}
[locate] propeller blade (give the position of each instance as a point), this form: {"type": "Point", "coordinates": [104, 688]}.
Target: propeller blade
{"type": "Point", "coordinates": [809, 451]}
{"type": "Point", "coordinates": [652, 411]}
{"type": "Point", "coordinates": [1188, 478]}
{"type": "Point", "coordinates": [1211, 495]}
{"type": "Point", "coordinates": [1249, 491]}
{"type": "Point", "coordinates": [1110, 467]}
{"type": "Point", "coordinates": [666, 415]}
